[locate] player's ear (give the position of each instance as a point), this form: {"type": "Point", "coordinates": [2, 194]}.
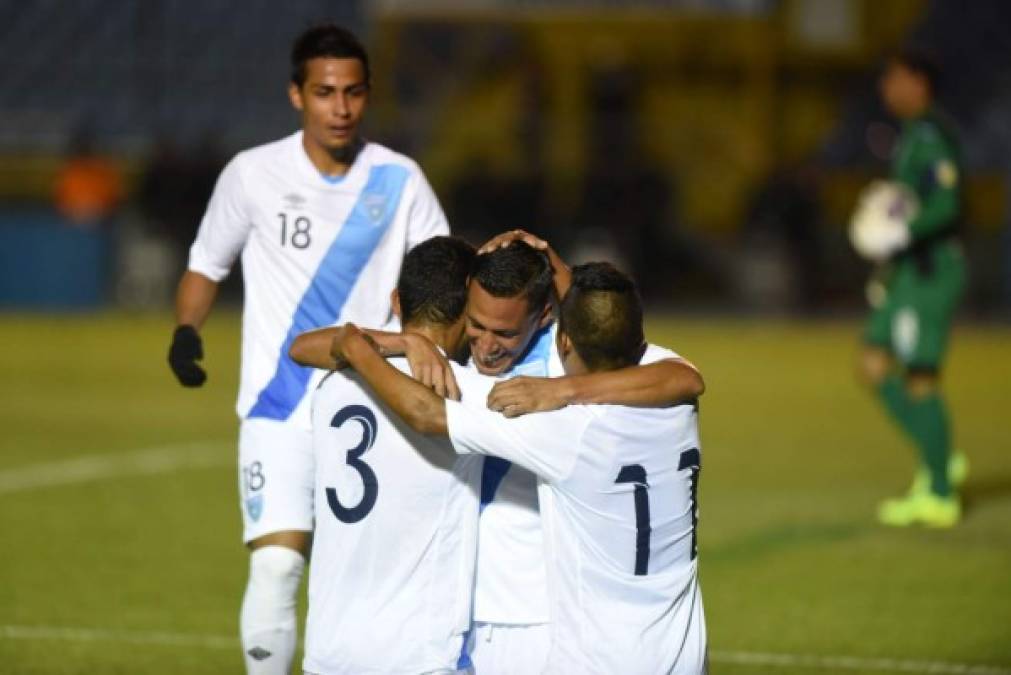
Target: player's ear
{"type": "Point", "coordinates": [546, 315]}
{"type": "Point", "coordinates": [564, 345]}
{"type": "Point", "coordinates": [395, 303]}
{"type": "Point", "coordinates": [295, 96]}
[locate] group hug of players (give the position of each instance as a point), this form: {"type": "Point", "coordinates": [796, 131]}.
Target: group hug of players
{"type": "Point", "coordinates": [488, 466]}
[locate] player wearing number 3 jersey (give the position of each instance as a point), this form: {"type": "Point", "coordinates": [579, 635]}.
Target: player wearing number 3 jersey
{"type": "Point", "coordinates": [396, 530]}
{"type": "Point", "coordinates": [322, 220]}
{"type": "Point", "coordinates": [617, 489]}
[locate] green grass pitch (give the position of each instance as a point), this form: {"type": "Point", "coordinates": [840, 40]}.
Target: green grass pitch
{"type": "Point", "coordinates": [120, 526]}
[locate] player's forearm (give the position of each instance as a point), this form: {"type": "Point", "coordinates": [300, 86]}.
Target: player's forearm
{"type": "Point", "coordinates": [389, 344]}
{"type": "Point", "coordinates": [420, 407]}
{"type": "Point", "coordinates": [938, 212]}
{"type": "Point", "coordinates": [313, 349]}
{"type": "Point", "coordinates": [194, 299]}
{"type": "Point", "coordinates": [655, 385]}
{"type": "Point", "coordinates": [562, 273]}
{"type": "Point", "coordinates": [317, 348]}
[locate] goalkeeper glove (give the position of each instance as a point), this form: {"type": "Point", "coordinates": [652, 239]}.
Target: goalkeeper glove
{"type": "Point", "coordinates": [186, 350]}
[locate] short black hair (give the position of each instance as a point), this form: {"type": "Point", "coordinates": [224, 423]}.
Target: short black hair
{"type": "Point", "coordinates": [602, 315]}
{"type": "Point", "coordinates": [921, 62]}
{"type": "Point", "coordinates": [433, 281]}
{"type": "Point", "coordinates": [326, 40]}
{"type": "Point", "coordinates": [518, 269]}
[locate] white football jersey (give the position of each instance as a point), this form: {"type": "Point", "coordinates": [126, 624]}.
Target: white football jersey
{"type": "Point", "coordinates": [618, 506]}
{"type": "Point", "coordinates": [510, 555]}
{"type": "Point", "coordinates": [392, 570]}
{"type": "Point", "coordinates": [315, 251]}
{"type": "Point", "coordinates": [511, 551]}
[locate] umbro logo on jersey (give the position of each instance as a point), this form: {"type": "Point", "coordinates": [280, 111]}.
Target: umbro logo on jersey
{"type": "Point", "coordinates": [294, 201]}
{"type": "Point", "coordinates": [375, 206]}
{"type": "Point", "coordinates": [259, 653]}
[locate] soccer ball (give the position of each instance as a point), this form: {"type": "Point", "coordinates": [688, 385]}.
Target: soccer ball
{"type": "Point", "coordinates": [880, 224]}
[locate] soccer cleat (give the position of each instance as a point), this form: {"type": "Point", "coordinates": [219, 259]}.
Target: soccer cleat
{"type": "Point", "coordinates": [958, 468]}
{"type": "Point", "coordinates": [958, 471]}
{"type": "Point", "coordinates": [925, 509]}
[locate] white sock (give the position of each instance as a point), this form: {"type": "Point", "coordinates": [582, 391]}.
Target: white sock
{"type": "Point", "coordinates": [267, 623]}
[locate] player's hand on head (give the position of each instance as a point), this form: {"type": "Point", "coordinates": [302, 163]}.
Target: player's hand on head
{"type": "Point", "coordinates": [187, 348]}
{"type": "Point", "coordinates": [430, 367]}
{"type": "Point", "coordinates": [522, 395]}
{"type": "Point", "coordinates": [506, 238]}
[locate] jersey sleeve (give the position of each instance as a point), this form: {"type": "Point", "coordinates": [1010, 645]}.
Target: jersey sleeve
{"type": "Point", "coordinates": [425, 218]}
{"type": "Point", "coordinates": [656, 353]}
{"type": "Point", "coordinates": [225, 226]}
{"type": "Point", "coordinates": [544, 443]}
{"type": "Point", "coordinates": [938, 187]}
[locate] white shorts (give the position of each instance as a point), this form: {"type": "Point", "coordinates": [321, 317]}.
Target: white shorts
{"type": "Point", "coordinates": [276, 478]}
{"type": "Point", "coordinates": [509, 649]}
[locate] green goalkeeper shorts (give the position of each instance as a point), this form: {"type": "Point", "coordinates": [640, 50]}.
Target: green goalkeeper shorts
{"type": "Point", "coordinates": [914, 319]}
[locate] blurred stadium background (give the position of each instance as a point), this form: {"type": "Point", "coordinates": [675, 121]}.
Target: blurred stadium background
{"type": "Point", "coordinates": [733, 137]}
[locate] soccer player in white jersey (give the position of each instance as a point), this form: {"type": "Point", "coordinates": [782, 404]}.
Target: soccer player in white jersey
{"type": "Point", "coordinates": [511, 333]}
{"type": "Point", "coordinates": [396, 531]}
{"type": "Point", "coordinates": [618, 489]}
{"type": "Point", "coordinates": [322, 220]}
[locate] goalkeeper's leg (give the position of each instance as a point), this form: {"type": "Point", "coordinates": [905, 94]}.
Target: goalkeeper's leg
{"type": "Point", "coordinates": [937, 505]}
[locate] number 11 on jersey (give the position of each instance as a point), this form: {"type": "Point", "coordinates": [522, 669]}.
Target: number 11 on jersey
{"type": "Point", "coordinates": [635, 473]}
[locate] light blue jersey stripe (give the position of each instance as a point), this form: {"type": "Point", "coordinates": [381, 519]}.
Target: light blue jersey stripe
{"type": "Point", "coordinates": [329, 289]}
{"type": "Point", "coordinates": [533, 362]}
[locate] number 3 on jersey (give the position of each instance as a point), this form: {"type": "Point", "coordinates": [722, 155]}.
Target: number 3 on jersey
{"type": "Point", "coordinates": [636, 474]}
{"type": "Point", "coordinates": [370, 486]}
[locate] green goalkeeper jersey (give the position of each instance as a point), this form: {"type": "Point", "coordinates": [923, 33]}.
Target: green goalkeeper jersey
{"type": "Point", "coordinates": [928, 161]}
{"type": "Point", "coordinates": [923, 284]}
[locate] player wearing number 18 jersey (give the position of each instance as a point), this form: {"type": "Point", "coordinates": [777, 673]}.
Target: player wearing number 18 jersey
{"type": "Point", "coordinates": [322, 220]}
{"type": "Point", "coordinates": [617, 491]}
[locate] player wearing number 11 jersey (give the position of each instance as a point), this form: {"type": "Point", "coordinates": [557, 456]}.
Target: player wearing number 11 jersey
{"type": "Point", "coordinates": [322, 220]}
{"type": "Point", "coordinates": [617, 489]}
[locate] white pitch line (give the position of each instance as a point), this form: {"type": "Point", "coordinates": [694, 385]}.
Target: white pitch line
{"type": "Point", "coordinates": [805, 661]}
{"type": "Point", "coordinates": [854, 663]}
{"type": "Point", "coordinates": [132, 637]}
{"type": "Point", "coordinates": [164, 459]}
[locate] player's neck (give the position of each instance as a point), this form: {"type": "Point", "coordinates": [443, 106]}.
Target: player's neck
{"type": "Point", "coordinates": [916, 111]}
{"type": "Point", "coordinates": [332, 163]}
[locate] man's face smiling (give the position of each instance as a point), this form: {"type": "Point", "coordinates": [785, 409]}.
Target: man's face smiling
{"type": "Point", "coordinates": [499, 329]}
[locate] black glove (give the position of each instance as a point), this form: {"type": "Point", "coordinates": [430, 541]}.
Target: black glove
{"type": "Point", "coordinates": [186, 350]}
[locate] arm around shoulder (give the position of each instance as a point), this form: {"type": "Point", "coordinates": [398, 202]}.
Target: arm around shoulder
{"type": "Point", "coordinates": [662, 383]}
{"type": "Point", "coordinates": [422, 409]}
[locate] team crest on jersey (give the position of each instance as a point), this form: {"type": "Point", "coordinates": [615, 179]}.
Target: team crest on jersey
{"type": "Point", "coordinates": [375, 206]}
{"type": "Point", "coordinates": [294, 201]}
{"type": "Point", "coordinates": [254, 506]}
{"type": "Point", "coordinates": [946, 173]}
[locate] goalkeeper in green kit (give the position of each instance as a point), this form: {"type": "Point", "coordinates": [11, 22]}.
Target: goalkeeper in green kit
{"type": "Point", "coordinates": [908, 226]}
